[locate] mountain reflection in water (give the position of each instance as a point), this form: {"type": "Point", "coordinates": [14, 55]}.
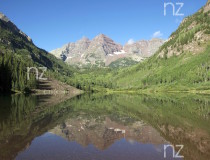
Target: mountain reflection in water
{"type": "Point", "coordinates": [104, 127]}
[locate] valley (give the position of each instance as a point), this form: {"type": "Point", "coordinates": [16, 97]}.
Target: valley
{"type": "Point", "coordinates": [136, 83]}
{"type": "Point", "coordinates": [101, 65]}
{"type": "Point", "coordinates": [182, 64]}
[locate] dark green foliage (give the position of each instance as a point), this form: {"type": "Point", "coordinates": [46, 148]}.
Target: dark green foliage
{"type": "Point", "coordinates": [123, 62]}
{"type": "Point", "coordinates": [13, 73]}
{"type": "Point", "coordinates": [185, 71]}
{"type": "Point", "coordinates": [17, 53]}
{"type": "Point", "coordinates": [5, 78]}
{"type": "Point", "coordinates": [94, 79]}
{"type": "Point", "coordinates": [200, 21]}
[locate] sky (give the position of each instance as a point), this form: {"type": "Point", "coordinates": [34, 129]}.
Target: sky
{"type": "Point", "coordinates": [53, 23]}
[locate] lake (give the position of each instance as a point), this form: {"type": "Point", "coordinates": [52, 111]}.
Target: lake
{"type": "Point", "coordinates": [105, 127]}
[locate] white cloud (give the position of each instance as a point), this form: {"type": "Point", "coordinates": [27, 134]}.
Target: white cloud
{"type": "Point", "coordinates": [131, 41]}
{"type": "Point", "coordinates": [157, 34]}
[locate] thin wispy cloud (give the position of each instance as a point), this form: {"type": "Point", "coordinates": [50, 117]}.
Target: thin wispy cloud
{"type": "Point", "coordinates": [157, 34]}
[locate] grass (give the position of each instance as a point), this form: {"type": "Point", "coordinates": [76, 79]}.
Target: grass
{"type": "Point", "coordinates": [182, 73]}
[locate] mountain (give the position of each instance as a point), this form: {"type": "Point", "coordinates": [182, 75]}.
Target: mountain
{"type": "Point", "coordinates": [191, 34]}
{"type": "Point", "coordinates": [143, 47]}
{"type": "Point", "coordinates": [13, 27]}
{"type": "Point", "coordinates": [17, 52]}
{"type": "Point", "coordinates": [101, 47]}
{"type": "Point", "coordinates": [182, 63]}
{"type": "Point", "coordinates": [105, 132]}
{"type": "Point", "coordinates": [91, 52]}
{"type": "Point", "coordinates": [102, 51]}
{"type": "Point", "coordinates": [72, 49]}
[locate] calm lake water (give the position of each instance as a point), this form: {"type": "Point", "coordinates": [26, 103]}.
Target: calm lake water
{"type": "Point", "coordinates": [105, 127]}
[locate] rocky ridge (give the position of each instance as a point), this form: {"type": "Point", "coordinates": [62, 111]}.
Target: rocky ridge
{"type": "Point", "coordinates": [191, 36]}
{"type": "Point", "coordinates": [102, 51]}
{"type": "Point", "coordinates": [105, 132]}
{"type": "Point", "coordinates": [13, 27]}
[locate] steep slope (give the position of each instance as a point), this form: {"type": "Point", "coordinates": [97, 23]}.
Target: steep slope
{"type": "Point", "coordinates": [144, 48]}
{"type": "Point", "coordinates": [72, 50]}
{"type": "Point", "coordinates": [183, 70]}
{"type": "Point", "coordinates": [17, 52]}
{"type": "Point", "coordinates": [100, 47]}
{"type": "Point", "coordinates": [13, 27]}
{"type": "Point", "coordinates": [182, 63]}
{"type": "Point", "coordinates": [191, 34]}
{"type": "Point", "coordinates": [102, 51]}
{"type": "Point", "coordinates": [86, 52]}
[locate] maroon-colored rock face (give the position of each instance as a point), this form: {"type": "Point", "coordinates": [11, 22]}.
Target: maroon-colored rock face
{"type": "Point", "coordinates": [103, 49]}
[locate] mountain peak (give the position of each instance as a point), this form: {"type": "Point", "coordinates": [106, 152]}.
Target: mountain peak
{"type": "Point", "coordinates": [3, 17]}
{"type": "Point", "coordinates": [83, 40]}
{"type": "Point", "coordinates": [102, 49]}
{"type": "Point", "coordinates": [13, 27]}
{"type": "Point", "coordinates": [103, 45]}
{"type": "Point", "coordinates": [103, 39]}
{"type": "Point", "coordinates": [102, 36]}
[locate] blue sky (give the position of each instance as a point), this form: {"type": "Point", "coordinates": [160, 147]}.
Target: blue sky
{"type": "Point", "coordinates": [53, 23]}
